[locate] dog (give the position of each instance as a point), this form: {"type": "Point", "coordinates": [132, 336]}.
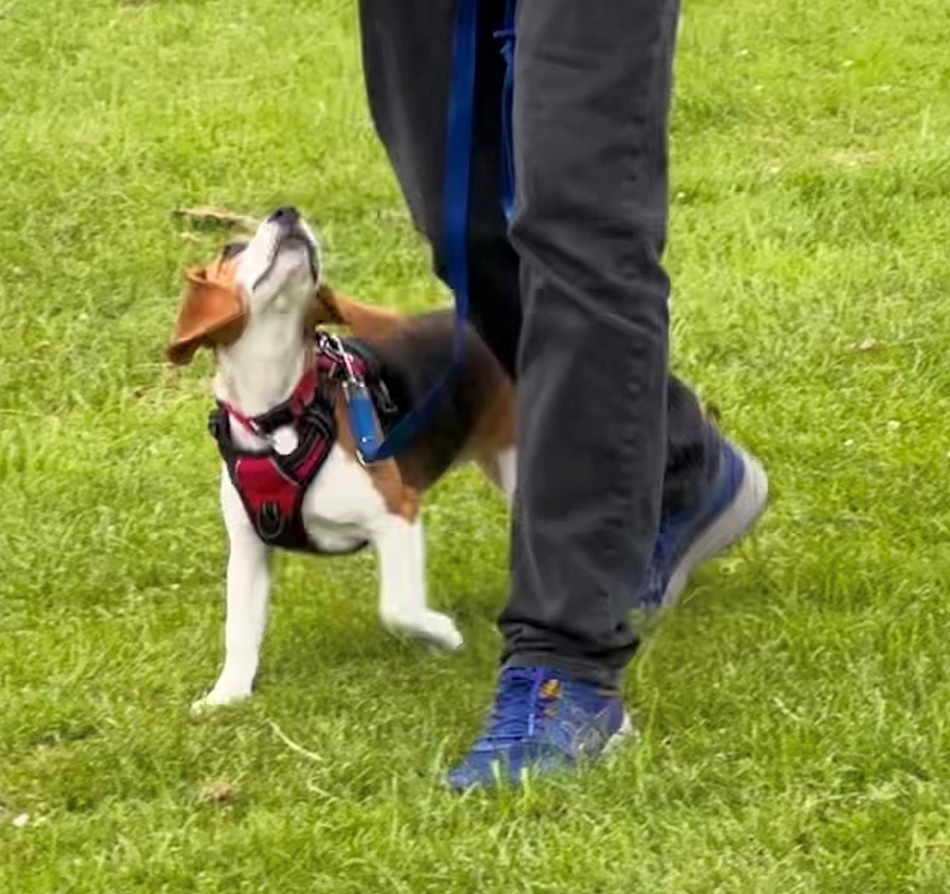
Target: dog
{"type": "Point", "coordinates": [293, 476]}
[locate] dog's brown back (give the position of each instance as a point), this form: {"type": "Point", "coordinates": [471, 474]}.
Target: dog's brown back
{"type": "Point", "coordinates": [474, 419]}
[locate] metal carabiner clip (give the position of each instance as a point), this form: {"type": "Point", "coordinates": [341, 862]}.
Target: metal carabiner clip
{"type": "Point", "coordinates": [361, 410]}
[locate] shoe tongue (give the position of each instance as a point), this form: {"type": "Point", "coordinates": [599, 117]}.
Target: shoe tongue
{"type": "Point", "coordinates": [538, 675]}
{"type": "Point", "coordinates": [539, 684]}
{"type": "Point", "coordinates": [521, 675]}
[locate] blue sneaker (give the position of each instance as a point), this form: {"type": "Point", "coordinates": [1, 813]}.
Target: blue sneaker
{"type": "Point", "coordinates": [729, 510]}
{"type": "Point", "coordinates": [544, 721]}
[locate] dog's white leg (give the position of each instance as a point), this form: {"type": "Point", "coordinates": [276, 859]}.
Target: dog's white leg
{"type": "Point", "coordinates": [248, 589]}
{"type": "Point", "coordinates": [402, 597]}
{"type": "Point", "coordinates": [501, 469]}
{"type": "Point", "coordinates": [508, 472]}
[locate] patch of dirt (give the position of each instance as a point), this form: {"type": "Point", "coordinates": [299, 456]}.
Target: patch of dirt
{"type": "Point", "coordinates": [218, 792]}
{"type": "Point", "coordinates": [856, 158]}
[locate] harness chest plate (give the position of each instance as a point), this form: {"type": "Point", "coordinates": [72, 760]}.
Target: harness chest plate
{"type": "Point", "coordinates": [272, 485]}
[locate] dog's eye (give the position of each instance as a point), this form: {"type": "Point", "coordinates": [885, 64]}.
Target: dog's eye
{"type": "Point", "coordinates": [232, 250]}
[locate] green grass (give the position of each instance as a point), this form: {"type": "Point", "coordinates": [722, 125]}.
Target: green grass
{"type": "Point", "coordinates": [794, 709]}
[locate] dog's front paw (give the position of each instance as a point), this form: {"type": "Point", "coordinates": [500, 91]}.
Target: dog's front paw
{"type": "Point", "coordinates": [432, 627]}
{"type": "Point", "coordinates": [219, 697]}
{"type": "Point", "coordinates": [441, 631]}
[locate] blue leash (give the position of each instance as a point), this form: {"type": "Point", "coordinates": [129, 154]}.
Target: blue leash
{"type": "Point", "coordinates": [507, 37]}
{"type": "Point", "coordinates": [458, 157]}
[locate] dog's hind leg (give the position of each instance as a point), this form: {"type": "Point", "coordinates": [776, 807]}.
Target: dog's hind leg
{"type": "Point", "coordinates": [501, 469]}
{"type": "Point", "coordinates": [507, 462]}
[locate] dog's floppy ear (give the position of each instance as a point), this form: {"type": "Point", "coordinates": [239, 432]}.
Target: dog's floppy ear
{"type": "Point", "coordinates": [364, 320]}
{"type": "Point", "coordinates": [211, 313]}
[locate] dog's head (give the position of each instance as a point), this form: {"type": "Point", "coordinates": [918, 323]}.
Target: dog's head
{"type": "Point", "coordinates": [278, 268]}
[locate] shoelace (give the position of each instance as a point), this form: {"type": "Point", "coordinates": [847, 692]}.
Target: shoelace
{"type": "Point", "coordinates": [519, 707]}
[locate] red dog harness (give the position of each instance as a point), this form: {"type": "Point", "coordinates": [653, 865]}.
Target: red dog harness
{"type": "Point", "coordinates": [271, 484]}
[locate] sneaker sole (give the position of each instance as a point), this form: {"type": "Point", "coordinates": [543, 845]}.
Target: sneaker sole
{"type": "Point", "coordinates": [625, 734]}
{"type": "Point", "coordinates": [736, 521]}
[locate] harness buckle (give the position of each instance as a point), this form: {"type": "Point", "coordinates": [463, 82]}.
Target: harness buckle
{"type": "Point", "coordinates": [386, 403]}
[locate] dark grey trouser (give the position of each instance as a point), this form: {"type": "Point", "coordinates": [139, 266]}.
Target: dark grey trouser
{"type": "Point", "coordinates": [573, 298]}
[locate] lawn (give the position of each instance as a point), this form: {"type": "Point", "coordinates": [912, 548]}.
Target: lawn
{"type": "Point", "coordinates": [795, 709]}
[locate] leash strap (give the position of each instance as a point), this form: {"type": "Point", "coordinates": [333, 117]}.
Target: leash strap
{"type": "Point", "coordinates": [507, 37]}
{"type": "Point", "coordinates": [458, 157]}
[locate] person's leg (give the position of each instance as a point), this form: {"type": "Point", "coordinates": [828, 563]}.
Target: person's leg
{"type": "Point", "coordinates": [623, 486]}
{"type": "Point", "coordinates": [592, 167]}
{"type": "Point", "coordinates": [592, 93]}
{"type": "Point", "coordinates": [407, 49]}
{"type": "Point", "coordinates": [407, 61]}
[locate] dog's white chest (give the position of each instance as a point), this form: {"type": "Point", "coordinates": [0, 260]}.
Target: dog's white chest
{"type": "Point", "coordinates": [341, 505]}
{"type": "Point", "coordinates": [329, 539]}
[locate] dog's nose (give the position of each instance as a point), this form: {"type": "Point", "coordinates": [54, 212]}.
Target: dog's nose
{"type": "Point", "coordinates": [286, 216]}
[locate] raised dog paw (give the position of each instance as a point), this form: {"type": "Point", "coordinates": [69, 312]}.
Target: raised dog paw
{"type": "Point", "coordinates": [433, 627]}
{"type": "Point", "coordinates": [441, 631]}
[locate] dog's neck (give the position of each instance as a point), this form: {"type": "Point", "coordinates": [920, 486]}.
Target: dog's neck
{"type": "Point", "coordinates": [264, 366]}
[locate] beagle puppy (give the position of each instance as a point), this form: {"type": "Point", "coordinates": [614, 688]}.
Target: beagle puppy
{"type": "Point", "coordinates": [292, 477]}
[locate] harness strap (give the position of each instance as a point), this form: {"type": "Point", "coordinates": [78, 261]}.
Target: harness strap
{"type": "Point", "coordinates": [326, 367]}
{"type": "Point", "coordinates": [458, 154]}
{"type": "Point", "coordinates": [283, 414]}
{"type": "Point", "coordinates": [272, 485]}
